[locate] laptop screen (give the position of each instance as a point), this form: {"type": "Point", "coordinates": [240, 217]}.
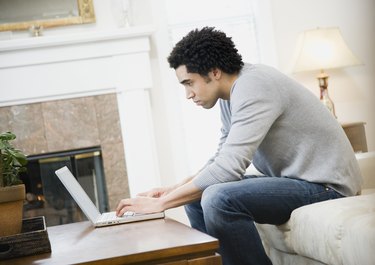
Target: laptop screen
{"type": "Point", "coordinates": [78, 194]}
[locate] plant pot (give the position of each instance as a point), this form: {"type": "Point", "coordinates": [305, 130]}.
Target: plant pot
{"type": "Point", "coordinates": [11, 209]}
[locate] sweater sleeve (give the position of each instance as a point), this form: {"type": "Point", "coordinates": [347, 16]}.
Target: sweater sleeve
{"type": "Point", "coordinates": [255, 105]}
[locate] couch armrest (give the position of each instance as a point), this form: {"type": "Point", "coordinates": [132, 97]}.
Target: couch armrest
{"type": "Point", "coordinates": [366, 163]}
{"type": "Point", "coordinates": [321, 230]}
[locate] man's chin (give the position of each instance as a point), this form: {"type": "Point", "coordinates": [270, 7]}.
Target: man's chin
{"type": "Point", "coordinates": [207, 106]}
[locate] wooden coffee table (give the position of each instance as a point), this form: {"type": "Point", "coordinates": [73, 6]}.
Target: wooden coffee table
{"type": "Point", "coordinates": [162, 241]}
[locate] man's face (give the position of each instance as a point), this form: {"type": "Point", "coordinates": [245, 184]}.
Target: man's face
{"type": "Point", "coordinates": [203, 90]}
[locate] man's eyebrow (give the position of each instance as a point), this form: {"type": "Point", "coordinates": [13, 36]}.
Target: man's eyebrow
{"type": "Point", "coordinates": [185, 81]}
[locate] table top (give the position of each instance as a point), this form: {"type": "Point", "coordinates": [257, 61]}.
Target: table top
{"type": "Point", "coordinates": [351, 124]}
{"type": "Point", "coordinates": [121, 244]}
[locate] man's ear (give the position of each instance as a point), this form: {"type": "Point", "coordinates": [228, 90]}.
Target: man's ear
{"type": "Point", "coordinates": [216, 73]}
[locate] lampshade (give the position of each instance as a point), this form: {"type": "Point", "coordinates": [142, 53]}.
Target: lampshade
{"type": "Point", "coordinates": [323, 48]}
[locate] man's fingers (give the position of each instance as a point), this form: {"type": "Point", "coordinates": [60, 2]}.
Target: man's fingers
{"type": "Point", "coordinates": [121, 208]}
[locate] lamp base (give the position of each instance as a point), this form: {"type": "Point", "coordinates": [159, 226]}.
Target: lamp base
{"type": "Point", "coordinates": [324, 96]}
{"type": "Point", "coordinates": [326, 100]}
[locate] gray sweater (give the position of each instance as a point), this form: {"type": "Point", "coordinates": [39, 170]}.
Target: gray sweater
{"type": "Point", "coordinates": [284, 130]}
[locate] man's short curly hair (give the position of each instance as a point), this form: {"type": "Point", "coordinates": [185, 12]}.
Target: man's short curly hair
{"type": "Point", "coordinates": [205, 49]}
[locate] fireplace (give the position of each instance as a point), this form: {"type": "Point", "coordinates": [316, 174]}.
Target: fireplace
{"type": "Point", "coordinates": [74, 91]}
{"type": "Point", "coordinates": [45, 194]}
{"type": "Point", "coordinates": [77, 127]}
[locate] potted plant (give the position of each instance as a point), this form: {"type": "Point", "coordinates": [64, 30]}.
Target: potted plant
{"type": "Point", "coordinates": [12, 191]}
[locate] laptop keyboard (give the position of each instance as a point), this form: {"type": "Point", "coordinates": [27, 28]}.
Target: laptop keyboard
{"type": "Point", "coordinates": [108, 216]}
{"type": "Point", "coordinates": [112, 216]}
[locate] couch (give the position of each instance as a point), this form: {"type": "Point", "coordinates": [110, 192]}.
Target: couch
{"type": "Point", "coordinates": [334, 232]}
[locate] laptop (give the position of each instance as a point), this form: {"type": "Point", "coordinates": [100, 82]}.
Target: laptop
{"type": "Point", "coordinates": [89, 208]}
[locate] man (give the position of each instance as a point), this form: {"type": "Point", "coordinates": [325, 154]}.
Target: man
{"type": "Point", "coordinates": [269, 120]}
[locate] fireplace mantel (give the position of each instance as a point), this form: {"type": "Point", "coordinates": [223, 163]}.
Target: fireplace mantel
{"type": "Point", "coordinates": [50, 68]}
{"type": "Point", "coordinates": [81, 63]}
{"type": "Point", "coordinates": [77, 38]}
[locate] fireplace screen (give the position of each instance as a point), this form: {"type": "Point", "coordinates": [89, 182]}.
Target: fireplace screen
{"type": "Point", "coordinates": [46, 195]}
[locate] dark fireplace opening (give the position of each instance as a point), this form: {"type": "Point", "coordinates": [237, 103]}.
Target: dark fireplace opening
{"type": "Point", "coordinates": [46, 195]}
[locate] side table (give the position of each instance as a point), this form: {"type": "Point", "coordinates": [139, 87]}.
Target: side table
{"type": "Point", "coordinates": [355, 131]}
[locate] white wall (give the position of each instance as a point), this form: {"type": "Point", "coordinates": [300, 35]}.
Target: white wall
{"type": "Point", "coordinates": [352, 89]}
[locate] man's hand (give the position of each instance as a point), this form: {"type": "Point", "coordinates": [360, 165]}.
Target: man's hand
{"type": "Point", "coordinates": [160, 199]}
{"type": "Point", "coordinates": [139, 204]}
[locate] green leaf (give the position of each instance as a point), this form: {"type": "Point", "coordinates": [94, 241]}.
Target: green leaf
{"type": "Point", "coordinates": [8, 136]}
{"type": "Point", "coordinates": [12, 161]}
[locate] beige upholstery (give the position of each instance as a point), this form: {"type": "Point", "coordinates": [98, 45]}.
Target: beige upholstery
{"type": "Point", "coordinates": [334, 232]}
{"type": "Point", "coordinates": [366, 162]}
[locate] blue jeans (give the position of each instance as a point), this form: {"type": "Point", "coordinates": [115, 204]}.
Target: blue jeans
{"type": "Point", "coordinates": [228, 211]}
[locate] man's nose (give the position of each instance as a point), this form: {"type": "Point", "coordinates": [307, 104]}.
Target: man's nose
{"type": "Point", "coordinates": [189, 94]}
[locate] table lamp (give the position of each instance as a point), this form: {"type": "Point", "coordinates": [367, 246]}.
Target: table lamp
{"type": "Point", "coordinates": [319, 49]}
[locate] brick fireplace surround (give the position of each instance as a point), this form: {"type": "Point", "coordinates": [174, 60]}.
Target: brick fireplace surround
{"type": "Point", "coordinates": [67, 124]}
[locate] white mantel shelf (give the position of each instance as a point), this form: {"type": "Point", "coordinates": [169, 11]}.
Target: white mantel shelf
{"type": "Point", "coordinates": [77, 38]}
{"type": "Point", "coordinates": [85, 45]}
{"type": "Point", "coordinates": [51, 68]}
